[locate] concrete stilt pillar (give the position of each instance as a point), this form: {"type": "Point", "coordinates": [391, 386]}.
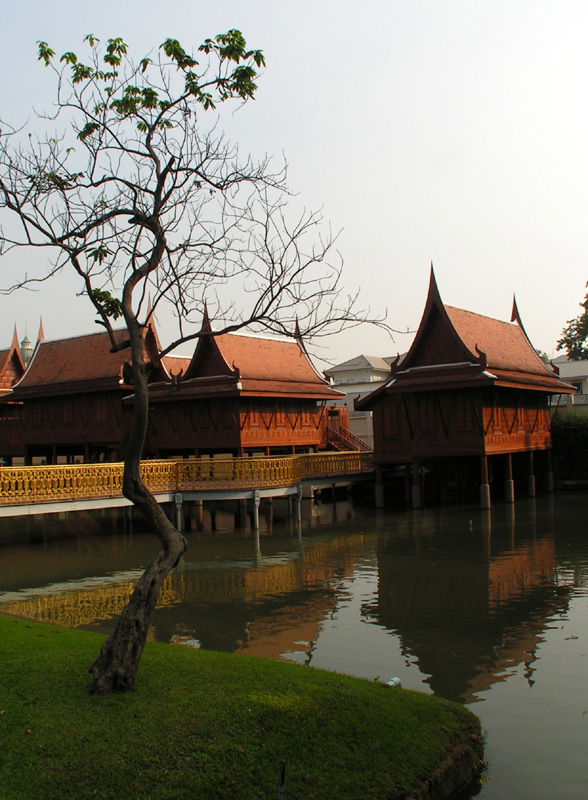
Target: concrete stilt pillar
{"type": "Point", "coordinates": [509, 483]}
{"type": "Point", "coordinates": [417, 499]}
{"type": "Point", "coordinates": [531, 476]}
{"type": "Point", "coordinates": [256, 502]}
{"type": "Point", "coordinates": [379, 487]}
{"type": "Point", "coordinates": [484, 484]}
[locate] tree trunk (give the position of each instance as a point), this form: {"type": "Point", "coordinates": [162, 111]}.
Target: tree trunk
{"type": "Point", "coordinates": [116, 665]}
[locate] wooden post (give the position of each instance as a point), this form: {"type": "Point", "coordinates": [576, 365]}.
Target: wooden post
{"type": "Point", "coordinates": [484, 485]}
{"type": "Point", "coordinates": [407, 484]}
{"type": "Point", "coordinates": [417, 500]}
{"type": "Point", "coordinates": [379, 487]}
{"type": "Point", "coordinates": [548, 471]}
{"type": "Point", "coordinates": [509, 483]}
{"type": "Point", "coordinates": [530, 476]}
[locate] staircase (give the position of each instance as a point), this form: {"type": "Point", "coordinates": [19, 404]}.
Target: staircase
{"type": "Point", "coordinates": [344, 440]}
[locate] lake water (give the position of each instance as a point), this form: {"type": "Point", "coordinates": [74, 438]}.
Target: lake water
{"type": "Point", "coordinates": [489, 609]}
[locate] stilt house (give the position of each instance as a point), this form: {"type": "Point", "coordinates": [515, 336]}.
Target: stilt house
{"type": "Point", "coordinates": [70, 400]}
{"type": "Point", "coordinates": [470, 396]}
{"type": "Point", "coordinates": [242, 395]}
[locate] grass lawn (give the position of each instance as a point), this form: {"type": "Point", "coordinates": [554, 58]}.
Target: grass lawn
{"type": "Point", "coordinates": [207, 725]}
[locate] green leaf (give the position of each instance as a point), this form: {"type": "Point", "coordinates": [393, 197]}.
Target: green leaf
{"type": "Point", "coordinates": [88, 129]}
{"type": "Point", "coordinates": [115, 50]}
{"type": "Point", "coordinates": [80, 72]}
{"type": "Point", "coordinates": [45, 53]}
{"type": "Point", "coordinates": [174, 50]}
{"type": "Point", "coordinates": [109, 305]}
{"type": "Point", "coordinates": [69, 58]}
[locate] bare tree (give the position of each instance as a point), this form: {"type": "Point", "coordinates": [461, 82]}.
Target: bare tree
{"type": "Point", "coordinates": [152, 207]}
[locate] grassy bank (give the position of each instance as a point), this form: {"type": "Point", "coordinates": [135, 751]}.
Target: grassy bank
{"type": "Point", "coordinates": [207, 725]}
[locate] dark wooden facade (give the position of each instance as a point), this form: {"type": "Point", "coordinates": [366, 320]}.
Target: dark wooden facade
{"type": "Point", "coordinates": [470, 387]}
{"type": "Point", "coordinates": [68, 405]}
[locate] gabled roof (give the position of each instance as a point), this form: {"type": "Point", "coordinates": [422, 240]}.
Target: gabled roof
{"type": "Point", "coordinates": [361, 362]}
{"type": "Point", "coordinates": [454, 348]}
{"type": "Point", "coordinates": [504, 344]}
{"type": "Point", "coordinates": [233, 363]}
{"type": "Point", "coordinates": [79, 364]}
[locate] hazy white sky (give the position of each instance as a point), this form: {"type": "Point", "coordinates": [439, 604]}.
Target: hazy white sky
{"type": "Point", "coordinates": [449, 131]}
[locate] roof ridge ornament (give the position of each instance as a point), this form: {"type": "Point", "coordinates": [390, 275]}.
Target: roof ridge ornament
{"type": "Point", "coordinates": [176, 378]}
{"type": "Point", "coordinates": [394, 363]}
{"type": "Point", "coordinates": [482, 357]}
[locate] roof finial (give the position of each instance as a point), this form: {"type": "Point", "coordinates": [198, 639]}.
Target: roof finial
{"type": "Point", "coordinates": [515, 316]}
{"type": "Point", "coordinates": [206, 326]}
{"type": "Point", "coordinates": [433, 288]}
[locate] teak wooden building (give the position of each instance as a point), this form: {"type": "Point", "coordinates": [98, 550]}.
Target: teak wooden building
{"type": "Point", "coordinates": [238, 395]}
{"type": "Point", "coordinates": [68, 404]}
{"type": "Point", "coordinates": [12, 368]}
{"type": "Point", "coordinates": [470, 398]}
{"type": "Point", "coordinates": [242, 395]}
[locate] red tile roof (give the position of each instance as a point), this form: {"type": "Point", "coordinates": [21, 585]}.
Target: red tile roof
{"type": "Point", "coordinates": [267, 359]}
{"type": "Point", "coordinates": [176, 365]}
{"type": "Point", "coordinates": [249, 365]}
{"type": "Point", "coordinates": [454, 349]}
{"type": "Point", "coordinates": [82, 362]}
{"type": "Point", "coordinates": [504, 343]}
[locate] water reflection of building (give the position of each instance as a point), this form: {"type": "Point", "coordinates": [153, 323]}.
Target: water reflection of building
{"type": "Point", "coordinates": [468, 618]}
{"type": "Point", "coordinates": [268, 610]}
{"type": "Point", "coordinates": [468, 605]}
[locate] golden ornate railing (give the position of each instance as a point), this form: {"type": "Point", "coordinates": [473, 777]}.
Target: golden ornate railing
{"type": "Point", "coordinates": [46, 484]}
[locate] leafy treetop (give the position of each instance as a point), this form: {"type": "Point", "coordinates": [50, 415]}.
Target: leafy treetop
{"type": "Point", "coordinates": [574, 337]}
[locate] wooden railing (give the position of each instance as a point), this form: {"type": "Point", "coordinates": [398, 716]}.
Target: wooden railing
{"type": "Point", "coordinates": [46, 484]}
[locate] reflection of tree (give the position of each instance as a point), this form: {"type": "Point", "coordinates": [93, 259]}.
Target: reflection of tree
{"type": "Point", "coordinates": [232, 605]}
{"type": "Point", "coordinates": [468, 617]}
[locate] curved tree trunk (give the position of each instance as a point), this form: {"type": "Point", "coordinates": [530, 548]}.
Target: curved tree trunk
{"type": "Point", "coordinates": [116, 665]}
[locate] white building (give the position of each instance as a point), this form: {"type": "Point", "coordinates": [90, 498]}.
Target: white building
{"type": "Point", "coordinates": [356, 378]}
{"type": "Point", "coordinates": [576, 373]}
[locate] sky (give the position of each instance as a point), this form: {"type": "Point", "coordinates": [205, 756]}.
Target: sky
{"type": "Point", "coordinates": [427, 131]}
